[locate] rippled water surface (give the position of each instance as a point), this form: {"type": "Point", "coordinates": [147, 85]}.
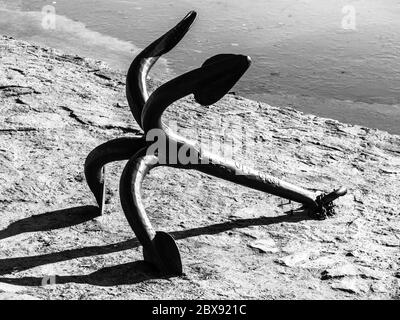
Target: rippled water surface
{"type": "Point", "coordinates": [301, 52]}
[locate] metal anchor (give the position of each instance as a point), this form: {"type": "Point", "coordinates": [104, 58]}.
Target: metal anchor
{"type": "Point", "coordinates": [209, 83]}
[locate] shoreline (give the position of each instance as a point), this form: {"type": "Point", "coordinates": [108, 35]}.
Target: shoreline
{"type": "Point", "coordinates": [372, 115]}
{"type": "Point", "coordinates": [346, 111]}
{"type": "Point", "coordinates": [236, 243]}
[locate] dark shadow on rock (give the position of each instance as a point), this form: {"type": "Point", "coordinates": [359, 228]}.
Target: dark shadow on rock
{"type": "Point", "coordinates": [11, 265]}
{"type": "Point", "coordinates": [123, 274]}
{"type": "Point", "coordinates": [51, 220]}
{"type": "Point", "coordinates": [238, 223]}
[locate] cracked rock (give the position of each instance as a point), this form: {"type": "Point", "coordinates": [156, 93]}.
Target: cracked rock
{"type": "Point", "coordinates": [339, 272]}
{"type": "Point", "coordinates": [297, 258]}
{"type": "Point", "coordinates": [350, 285]}
{"type": "Point", "coordinates": [265, 245]}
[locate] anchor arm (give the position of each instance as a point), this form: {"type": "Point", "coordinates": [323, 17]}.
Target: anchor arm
{"type": "Point", "coordinates": [159, 248]}
{"type": "Point", "coordinates": [113, 150]}
{"type": "Point", "coordinates": [136, 87]}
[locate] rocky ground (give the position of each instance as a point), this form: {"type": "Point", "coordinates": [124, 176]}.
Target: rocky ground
{"type": "Point", "coordinates": [235, 242]}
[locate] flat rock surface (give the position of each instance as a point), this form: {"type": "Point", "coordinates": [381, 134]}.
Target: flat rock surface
{"type": "Point", "coordinates": [235, 242]}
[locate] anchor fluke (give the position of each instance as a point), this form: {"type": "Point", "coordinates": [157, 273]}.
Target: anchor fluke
{"type": "Point", "coordinates": [165, 255]}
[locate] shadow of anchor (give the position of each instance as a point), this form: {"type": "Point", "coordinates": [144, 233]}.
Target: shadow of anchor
{"type": "Point", "coordinates": [128, 273]}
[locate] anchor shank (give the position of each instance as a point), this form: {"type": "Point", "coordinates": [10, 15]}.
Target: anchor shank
{"type": "Point", "coordinates": [236, 173]}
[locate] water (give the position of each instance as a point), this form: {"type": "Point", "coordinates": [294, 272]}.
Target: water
{"type": "Point", "coordinates": [302, 54]}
